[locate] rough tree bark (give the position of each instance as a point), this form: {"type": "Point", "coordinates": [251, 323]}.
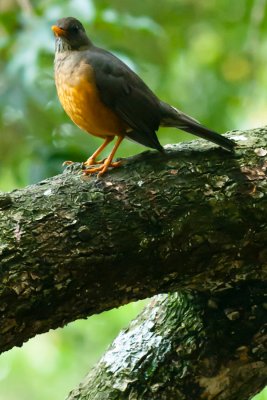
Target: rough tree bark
{"type": "Point", "coordinates": [196, 218]}
{"type": "Point", "coordinates": [187, 346]}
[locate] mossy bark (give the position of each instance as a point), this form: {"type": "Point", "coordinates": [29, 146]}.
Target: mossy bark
{"type": "Point", "coordinates": [187, 346]}
{"type": "Point", "coordinates": [72, 246]}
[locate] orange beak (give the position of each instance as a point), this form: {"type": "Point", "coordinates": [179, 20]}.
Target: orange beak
{"type": "Point", "coordinates": [58, 31]}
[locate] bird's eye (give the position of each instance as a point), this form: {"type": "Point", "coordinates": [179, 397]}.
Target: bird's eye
{"type": "Point", "coordinates": [75, 29]}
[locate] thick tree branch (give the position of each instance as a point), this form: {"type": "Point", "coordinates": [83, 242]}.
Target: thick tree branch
{"type": "Point", "coordinates": [72, 246]}
{"type": "Point", "coordinates": [187, 346]}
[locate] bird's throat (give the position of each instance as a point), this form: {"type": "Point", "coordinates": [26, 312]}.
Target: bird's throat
{"type": "Point", "coordinates": [62, 45]}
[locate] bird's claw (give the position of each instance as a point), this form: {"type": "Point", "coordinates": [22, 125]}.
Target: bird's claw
{"type": "Point", "coordinates": [67, 163]}
{"type": "Point", "coordinates": [102, 168]}
{"type": "Point", "coordinates": [92, 161]}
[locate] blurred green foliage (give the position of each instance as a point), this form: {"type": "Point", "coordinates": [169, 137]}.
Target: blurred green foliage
{"type": "Point", "coordinates": [206, 57]}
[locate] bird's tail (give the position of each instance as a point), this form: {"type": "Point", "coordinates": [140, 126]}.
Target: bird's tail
{"type": "Point", "coordinates": [173, 117]}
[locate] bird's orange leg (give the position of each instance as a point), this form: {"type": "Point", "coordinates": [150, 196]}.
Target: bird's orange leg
{"type": "Point", "coordinates": [92, 159]}
{"type": "Point", "coordinates": [108, 161]}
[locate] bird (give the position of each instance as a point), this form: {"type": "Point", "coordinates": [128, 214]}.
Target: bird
{"type": "Point", "coordinates": [107, 99]}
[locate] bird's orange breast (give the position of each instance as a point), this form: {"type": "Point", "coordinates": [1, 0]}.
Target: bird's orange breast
{"type": "Point", "coordinates": [80, 99]}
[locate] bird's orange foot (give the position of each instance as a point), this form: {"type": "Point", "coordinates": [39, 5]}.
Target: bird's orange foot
{"type": "Point", "coordinates": [102, 168]}
{"type": "Point", "coordinates": [92, 161]}
{"type": "Point", "coordinates": [67, 163]}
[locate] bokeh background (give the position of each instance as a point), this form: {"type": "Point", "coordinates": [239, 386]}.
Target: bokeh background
{"type": "Point", "coordinates": [208, 58]}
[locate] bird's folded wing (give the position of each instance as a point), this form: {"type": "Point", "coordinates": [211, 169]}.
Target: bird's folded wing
{"type": "Point", "coordinates": [128, 96]}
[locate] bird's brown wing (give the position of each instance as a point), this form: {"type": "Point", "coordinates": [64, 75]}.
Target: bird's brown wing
{"type": "Point", "coordinates": [127, 95]}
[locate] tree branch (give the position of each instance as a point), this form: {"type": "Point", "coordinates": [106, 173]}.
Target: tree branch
{"type": "Point", "coordinates": [187, 346]}
{"type": "Point", "coordinates": [72, 246]}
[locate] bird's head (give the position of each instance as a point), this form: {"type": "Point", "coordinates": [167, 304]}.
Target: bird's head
{"type": "Point", "coordinates": [70, 35]}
